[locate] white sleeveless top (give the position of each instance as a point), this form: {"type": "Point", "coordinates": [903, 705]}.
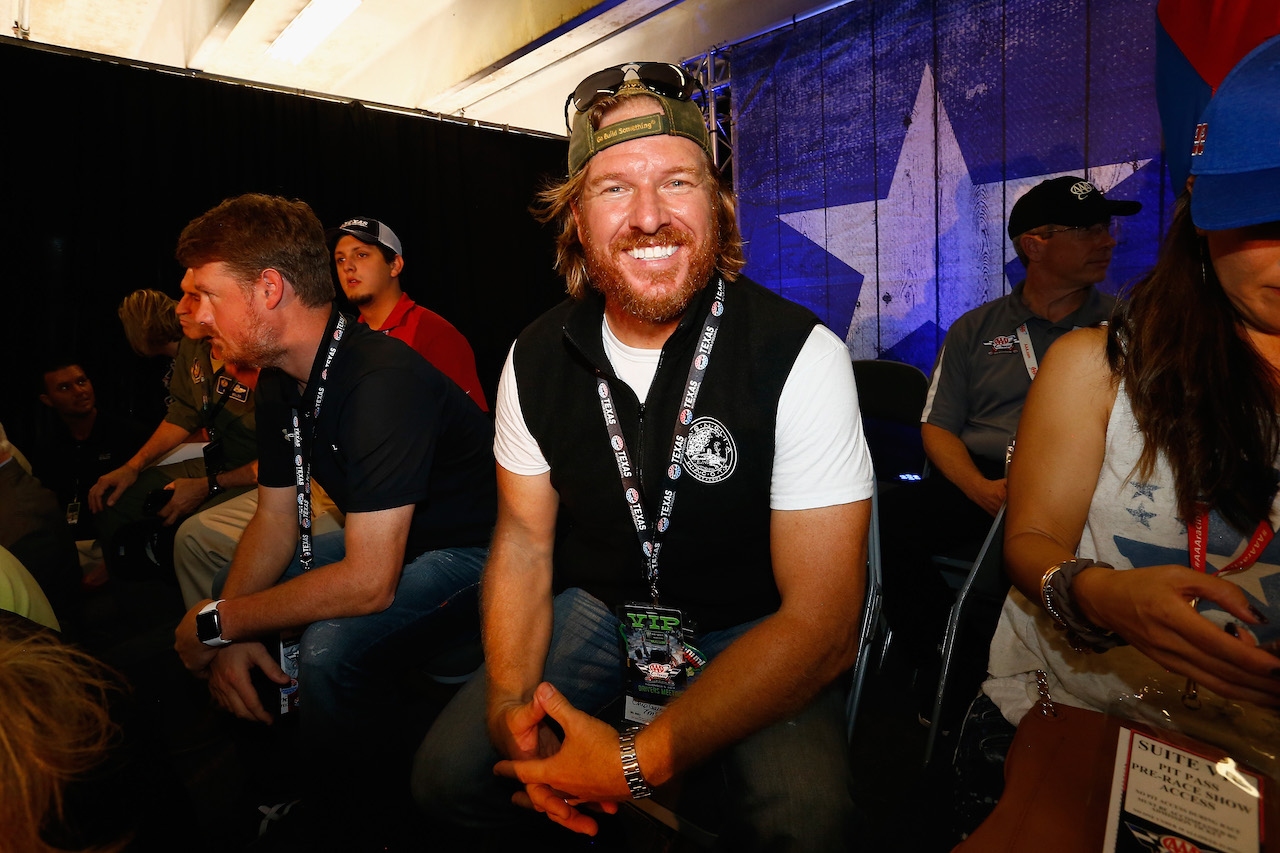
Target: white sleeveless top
{"type": "Point", "coordinates": [1130, 524]}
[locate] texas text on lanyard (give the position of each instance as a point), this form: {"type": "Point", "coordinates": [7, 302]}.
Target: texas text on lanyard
{"type": "Point", "coordinates": [651, 535]}
{"type": "Point", "coordinates": [302, 453]}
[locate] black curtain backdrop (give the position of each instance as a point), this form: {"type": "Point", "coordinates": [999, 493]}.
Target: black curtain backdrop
{"type": "Point", "coordinates": [105, 163]}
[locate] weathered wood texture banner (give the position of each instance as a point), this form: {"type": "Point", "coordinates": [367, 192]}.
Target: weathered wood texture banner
{"type": "Point", "coordinates": [880, 147]}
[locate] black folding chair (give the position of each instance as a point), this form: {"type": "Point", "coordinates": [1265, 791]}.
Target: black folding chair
{"type": "Point", "coordinates": [973, 619]}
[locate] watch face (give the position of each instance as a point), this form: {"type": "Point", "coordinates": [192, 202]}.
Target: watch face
{"type": "Point", "coordinates": [208, 626]}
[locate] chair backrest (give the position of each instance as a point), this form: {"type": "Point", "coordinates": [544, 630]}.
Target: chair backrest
{"type": "Point", "coordinates": [891, 395]}
{"type": "Point", "coordinates": [890, 390]}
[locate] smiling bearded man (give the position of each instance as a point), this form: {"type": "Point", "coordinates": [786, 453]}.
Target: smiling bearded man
{"type": "Point", "coordinates": [742, 598]}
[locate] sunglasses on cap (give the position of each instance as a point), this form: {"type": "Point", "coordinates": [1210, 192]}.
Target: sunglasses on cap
{"type": "Point", "coordinates": [661, 78]}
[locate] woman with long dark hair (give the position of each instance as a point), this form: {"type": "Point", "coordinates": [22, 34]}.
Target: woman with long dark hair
{"type": "Point", "coordinates": [1145, 471]}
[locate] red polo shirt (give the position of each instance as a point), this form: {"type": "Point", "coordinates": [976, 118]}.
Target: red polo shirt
{"type": "Point", "coordinates": [438, 342]}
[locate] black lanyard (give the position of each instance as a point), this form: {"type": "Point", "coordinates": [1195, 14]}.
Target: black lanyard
{"type": "Point", "coordinates": [302, 453]}
{"type": "Point", "coordinates": [650, 536]}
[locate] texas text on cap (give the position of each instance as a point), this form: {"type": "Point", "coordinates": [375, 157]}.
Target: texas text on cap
{"type": "Point", "coordinates": [1236, 153]}
{"type": "Point", "coordinates": [367, 231]}
{"type": "Point", "coordinates": [1065, 201]}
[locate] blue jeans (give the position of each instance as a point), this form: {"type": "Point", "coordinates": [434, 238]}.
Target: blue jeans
{"type": "Point", "coordinates": [350, 670]}
{"type": "Point", "coordinates": [786, 787]}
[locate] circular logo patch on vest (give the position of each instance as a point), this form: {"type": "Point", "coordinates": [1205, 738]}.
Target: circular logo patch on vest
{"type": "Point", "coordinates": [710, 454]}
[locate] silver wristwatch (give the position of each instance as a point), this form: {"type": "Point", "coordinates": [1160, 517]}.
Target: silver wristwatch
{"type": "Point", "coordinates": [631, 765]}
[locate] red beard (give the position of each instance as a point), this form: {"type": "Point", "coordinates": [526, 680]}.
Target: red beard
{"type": "Point", "coordinates": [606, 275]}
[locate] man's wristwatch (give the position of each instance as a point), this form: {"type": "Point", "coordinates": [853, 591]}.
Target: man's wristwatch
{"type": "Point", "coordinates": [631, 765]}
{"type": "Point", "coordinates": [209, 625]}
{"type": "Point", "coordinates": [1055, 595]}
{"type": "Point", "coordinates": [214, 486]}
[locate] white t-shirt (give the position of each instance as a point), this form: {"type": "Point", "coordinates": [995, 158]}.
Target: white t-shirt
{"type": "Point", "coordinates": [820, 455]}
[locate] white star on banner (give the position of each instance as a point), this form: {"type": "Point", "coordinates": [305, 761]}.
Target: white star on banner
{"type": "Point", "coordinates": [899, 289]}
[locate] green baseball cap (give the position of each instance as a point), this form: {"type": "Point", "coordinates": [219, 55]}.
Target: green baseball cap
{"type": "Point", "coordinates": [669, 85]}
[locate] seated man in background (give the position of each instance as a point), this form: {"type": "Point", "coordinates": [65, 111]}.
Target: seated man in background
{"type": "Point", "coordinates": [208, 394]}
{"type": "Point", "coordinates": [80, 444]}
{"type": "Point", "coordinates": [404, 453]}
{"type": "Point", "coordinates": [1062, 231]}
{"type": "Point", "coordinates": [369, 262]}
{"type": "Point", "coordinates": [367, 256]}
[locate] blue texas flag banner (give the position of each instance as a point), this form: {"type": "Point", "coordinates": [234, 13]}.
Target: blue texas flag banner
{"type": "Point", "coordinates": [881, 145]}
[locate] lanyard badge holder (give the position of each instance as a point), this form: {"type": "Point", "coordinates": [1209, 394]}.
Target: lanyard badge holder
{"type": "Point", "coordinates": [658, 660]}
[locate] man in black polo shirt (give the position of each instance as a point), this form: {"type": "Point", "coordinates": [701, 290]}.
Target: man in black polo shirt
{"type": "Point", "coordinates": [398, 446]}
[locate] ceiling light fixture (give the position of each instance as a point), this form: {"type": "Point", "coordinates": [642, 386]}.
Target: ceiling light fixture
{"type": "Point", "coordinates": [313, 24]}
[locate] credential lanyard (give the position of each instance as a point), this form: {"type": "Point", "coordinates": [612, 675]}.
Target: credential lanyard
{"type": "Point", "coordinates": [302, 454]}
{"type": "Point", "coordinates": [1028, 351]}
{"type": "Point", "coordinates": [650, 536]}
{"type": "Point", "coordinates": [1197, 538]}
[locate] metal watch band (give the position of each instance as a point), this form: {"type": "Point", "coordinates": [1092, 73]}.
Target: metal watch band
{"type": "Point", "coordinates": [1055, 595]}
{"type": "Point", "coordinates": [631, 765]}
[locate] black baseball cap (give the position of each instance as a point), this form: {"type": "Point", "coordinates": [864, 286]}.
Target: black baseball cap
{"type": "Point", "coordinates": [366, 231]}
{"type": "Point", "coordinates": [1065, 201]}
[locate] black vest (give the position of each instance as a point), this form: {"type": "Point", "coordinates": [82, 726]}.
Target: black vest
{"type": "Point", "coordinates": [715, 560]}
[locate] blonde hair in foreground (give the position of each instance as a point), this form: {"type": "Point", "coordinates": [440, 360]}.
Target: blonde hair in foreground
{"type": "Point", "coordinates": [54, 726]}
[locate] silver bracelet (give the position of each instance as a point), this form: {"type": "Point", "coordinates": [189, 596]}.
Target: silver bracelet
{"type": "Point", "coordinates": [631, 765]}
{"type": "Point", "coordinates": [1055, 595]}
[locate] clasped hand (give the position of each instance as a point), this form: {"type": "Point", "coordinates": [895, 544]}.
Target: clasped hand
{"type": "Point", "coordinates": [560, 778]}
{"type": "Point", "coordinates": [228, 668]}
{"type": "Point", "coordinates": [1152, 609]}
